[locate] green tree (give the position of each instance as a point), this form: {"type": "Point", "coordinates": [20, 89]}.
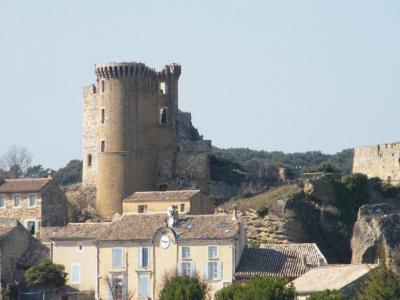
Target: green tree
{"type": "Point", "coordinates": [381, 284]}
{"type": "Point", "coordinates": [260, 288]}
{"type": "Point", "coordinates": [46, 274]}
{"type": "Point", "coordinates": [326, 295]}
{"type": "Point", "coordinates": [10, 292]}
{"type": "Point", "coordinates": [71, 173]}
{"type": "Point", "coordinates": [183, 288]}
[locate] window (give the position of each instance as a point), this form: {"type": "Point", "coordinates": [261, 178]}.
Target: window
{"type": "Point", "coordinates": [102, 116]}
{"type": "Point", "coordinates": [214, 270]}
{"type": "Point", "coordinates": [17, 201]}
{"type": "Point", "coordinates": [182, 207]}
{"type": "Point", "coordinates": [89, 160]}
{"type": "Point", "coordinates": [2, 201]}
{"type": "Point", "coordinates": [32, 200]}
{"type": "Point", "coordinates": [117, 254]}
{"type": "Point", "coordinates": [102, 86]}
{"type": "Point", "coordinates": [31, 226]}
{"type": "Point", "coordinates": [142, 208]}
{"type": "Point", "coordinates": [186, 269]}
{"type": "Point", "coordinates": [185, 252]}
{"type": "Point", "coordinates": [75, 273]}
{"type": "Point", "coordinates": [103, 146]}
{"type": "Point", "coordinates": [144, 286]}
{"type": "Point", "coordinates": [143, 257]}
{"type": "Point", "coordinates": [163, 115]}
{"type": "Point", "coordinates": [212, 252]}
{"type": "Point", "coordinates": [118, 285]}
{"type": "Point", "coordinates": [163, 88]}
{"type": "Point", "coordinates": [80, 247]}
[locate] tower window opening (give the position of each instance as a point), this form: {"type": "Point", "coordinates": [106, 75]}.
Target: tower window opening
{"type": "Point", "coordinates": [89, 160]}
{"type": "Point", "coordinates": [163, 116]}
{"type": "Point", "coordinates": [93, 89]}
{"type": "Point", "coordinates": [103, 146]}
{"type": "Point", "coordinates": [102, 86]}
{"type": "Point", "coordinates": [103, 115]}
{"type": "Point", "coordinates": [163, 88]}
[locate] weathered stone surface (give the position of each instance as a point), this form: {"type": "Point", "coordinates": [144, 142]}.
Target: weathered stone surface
{"type": "Point", "coordinates": [378, 161]}
{"type": "Point", "coordinates": [377, 233]}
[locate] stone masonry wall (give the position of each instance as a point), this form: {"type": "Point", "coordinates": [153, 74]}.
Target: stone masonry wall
{"type": "Point", "coordinates": [381, 161]}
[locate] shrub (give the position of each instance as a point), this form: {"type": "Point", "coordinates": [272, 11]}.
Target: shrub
{"type": "Point", "coordinates": [183, 288]}
{"type": "Point", "coordinates": [10, 292]}
{"type": "Point", "coordinates": [389, 191]}
{"type": "Point", "coordinates": [46, 274]}
{"type": "Point", "coordinates": [260, 288]}
{"type": "Point", "coordinates": [326, 295]}
{"type": "Point", "coordinates": [261, 211]}
{"type": "Point", "coordinates": [381, 284]}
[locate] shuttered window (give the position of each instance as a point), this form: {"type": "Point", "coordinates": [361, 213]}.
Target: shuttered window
{"type": "Point", "coordinates": [144, 286]}
{"type": "Point", "coordinates": [75, 273]}
{"type": "Point", "coordinates": [117, 255]}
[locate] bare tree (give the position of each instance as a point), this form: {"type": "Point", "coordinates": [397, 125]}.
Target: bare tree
{"type": "Point", "coordinates": [15, 161]}
{"type": "Point", "coordinates": [118, 290]}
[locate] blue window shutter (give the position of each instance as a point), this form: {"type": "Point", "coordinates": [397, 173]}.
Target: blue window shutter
{"type": "Point", "coordinates": [193, 269]}
{"type": "Point", "coordinates": [219, 271]}
{"type": "Point", "coordinates": [148, 257]}
{"type": "Point", "coordinates": [117, 254]}
{"type": "Point", "coordinates": [124, 287]}
{"type": "Point", "coordinates": [140, 257]}
{"type": "Point", "coordinates": [206, 271]}
{"type": "Point", "coordinates": [145, 257]}
{"type": "Point", "coordinates": [179, 269]}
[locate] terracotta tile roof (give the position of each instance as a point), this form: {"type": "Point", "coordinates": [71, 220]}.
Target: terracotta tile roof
{"type": "Point", "coordinates": [78, 231]}
{"type": "Point", "coordinates": [282, 260]}
{"type": "Point", "coordinates": [161, 195]}
{"type": "Point", "coordinates": [144, 227]}
{"type": "Point", "coordinates": [330, 277]}
{"type": "Point", "coordinates": [23, 185]}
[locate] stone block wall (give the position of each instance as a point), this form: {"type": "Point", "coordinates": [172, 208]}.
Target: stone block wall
{"type": "Point", "coordinates": [381, 161]}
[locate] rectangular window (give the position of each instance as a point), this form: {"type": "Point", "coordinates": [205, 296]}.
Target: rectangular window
{"type": "Point", "coordinates": [117, 254]}
{"type": "Point", "coordinates": [142, 208]}
{"type": "Point", "coordinates": [103, 146]}
{"type": "Point", "coordinates": [102, 86]}
{"type": "Point", "coordinates": [144, 286]}
{"type": "Point", "coordinates": [32, 200]}
{"type": "Point", "coordinates": [163, 116]}
{"type": "Point", "coordinates": [118, 285]}
{"type": "Point", "coordinates": [163, 88]}
{"type": "Point", "coordinates": [103, 116]}
{"type": "Point", "coordinates": [185, 252]}
{"type": "Point", "coordinates": [75, 273]}
{"type": "Point", "coordinates": [17, 201]}
{"type": "Point", "coordinates": [31, 226]}
{"type": "Point", "coordinates": [212, 252]}
{"type": "Point", "coordinates": [143, 257]}
{"type": "Point", "coordinates": [182, 207]}
{"type": "Point", "coordinates": [213, 272]}
{"type": "Point", "coordinates": [186, 269]}
{"type": "Point", "coordinates": [2, 201]}
{"type": "Point", "coordinates": [80, 248]}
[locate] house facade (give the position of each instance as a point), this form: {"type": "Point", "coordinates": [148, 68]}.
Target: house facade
{"type": "Point", "coordinates": [193, 202]}
{"type": "Point", "coordinates": [35, 202]}
{"type": "Point", "coordinates": [18, 250]}
{"type": "Point", "coordinates": [136, 252]}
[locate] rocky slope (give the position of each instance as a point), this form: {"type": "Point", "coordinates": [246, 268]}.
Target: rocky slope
{"type": "Point", "coordinates": [376, 235]}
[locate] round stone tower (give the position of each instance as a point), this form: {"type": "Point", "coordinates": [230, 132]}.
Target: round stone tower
{"type": "Point", "coordinates": [130, 118]}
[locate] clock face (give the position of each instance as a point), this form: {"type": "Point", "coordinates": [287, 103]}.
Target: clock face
{"type": "Point", "coordinates": [164, 242]}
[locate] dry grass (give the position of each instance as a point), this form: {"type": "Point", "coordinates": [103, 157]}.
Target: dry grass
{"type": "Point", "coordinates": [268, 198]}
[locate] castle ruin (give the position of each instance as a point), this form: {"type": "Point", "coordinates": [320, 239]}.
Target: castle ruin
{"type": "Point", "coordinates": [381, 161]}
{"type": "Point", "coordinates": [135, 138]}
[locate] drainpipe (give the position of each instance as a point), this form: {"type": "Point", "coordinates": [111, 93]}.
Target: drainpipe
{"type": "Point", "coordinates": [97, 296]}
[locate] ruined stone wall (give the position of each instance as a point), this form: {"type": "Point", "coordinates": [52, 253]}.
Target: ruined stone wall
{"type": "Point", "coordinates": [381, 161]}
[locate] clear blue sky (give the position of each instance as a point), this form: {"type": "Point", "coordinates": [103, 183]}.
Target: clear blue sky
{"type": "Point", "coordinates": [273, 75]}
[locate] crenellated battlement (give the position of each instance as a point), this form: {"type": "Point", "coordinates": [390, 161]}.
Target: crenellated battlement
{"type": "Point", "coordinates": [134, 69]}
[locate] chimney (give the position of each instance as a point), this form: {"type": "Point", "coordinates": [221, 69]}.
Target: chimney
{"type": "Point", "coordinates": [172, 213]}
{"type": "Point", "coordinates": [50, 174]}
{"type": "Point", "coordinates": [304, 260]}
{"type": "Point", "coordinates": [235, 213]}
